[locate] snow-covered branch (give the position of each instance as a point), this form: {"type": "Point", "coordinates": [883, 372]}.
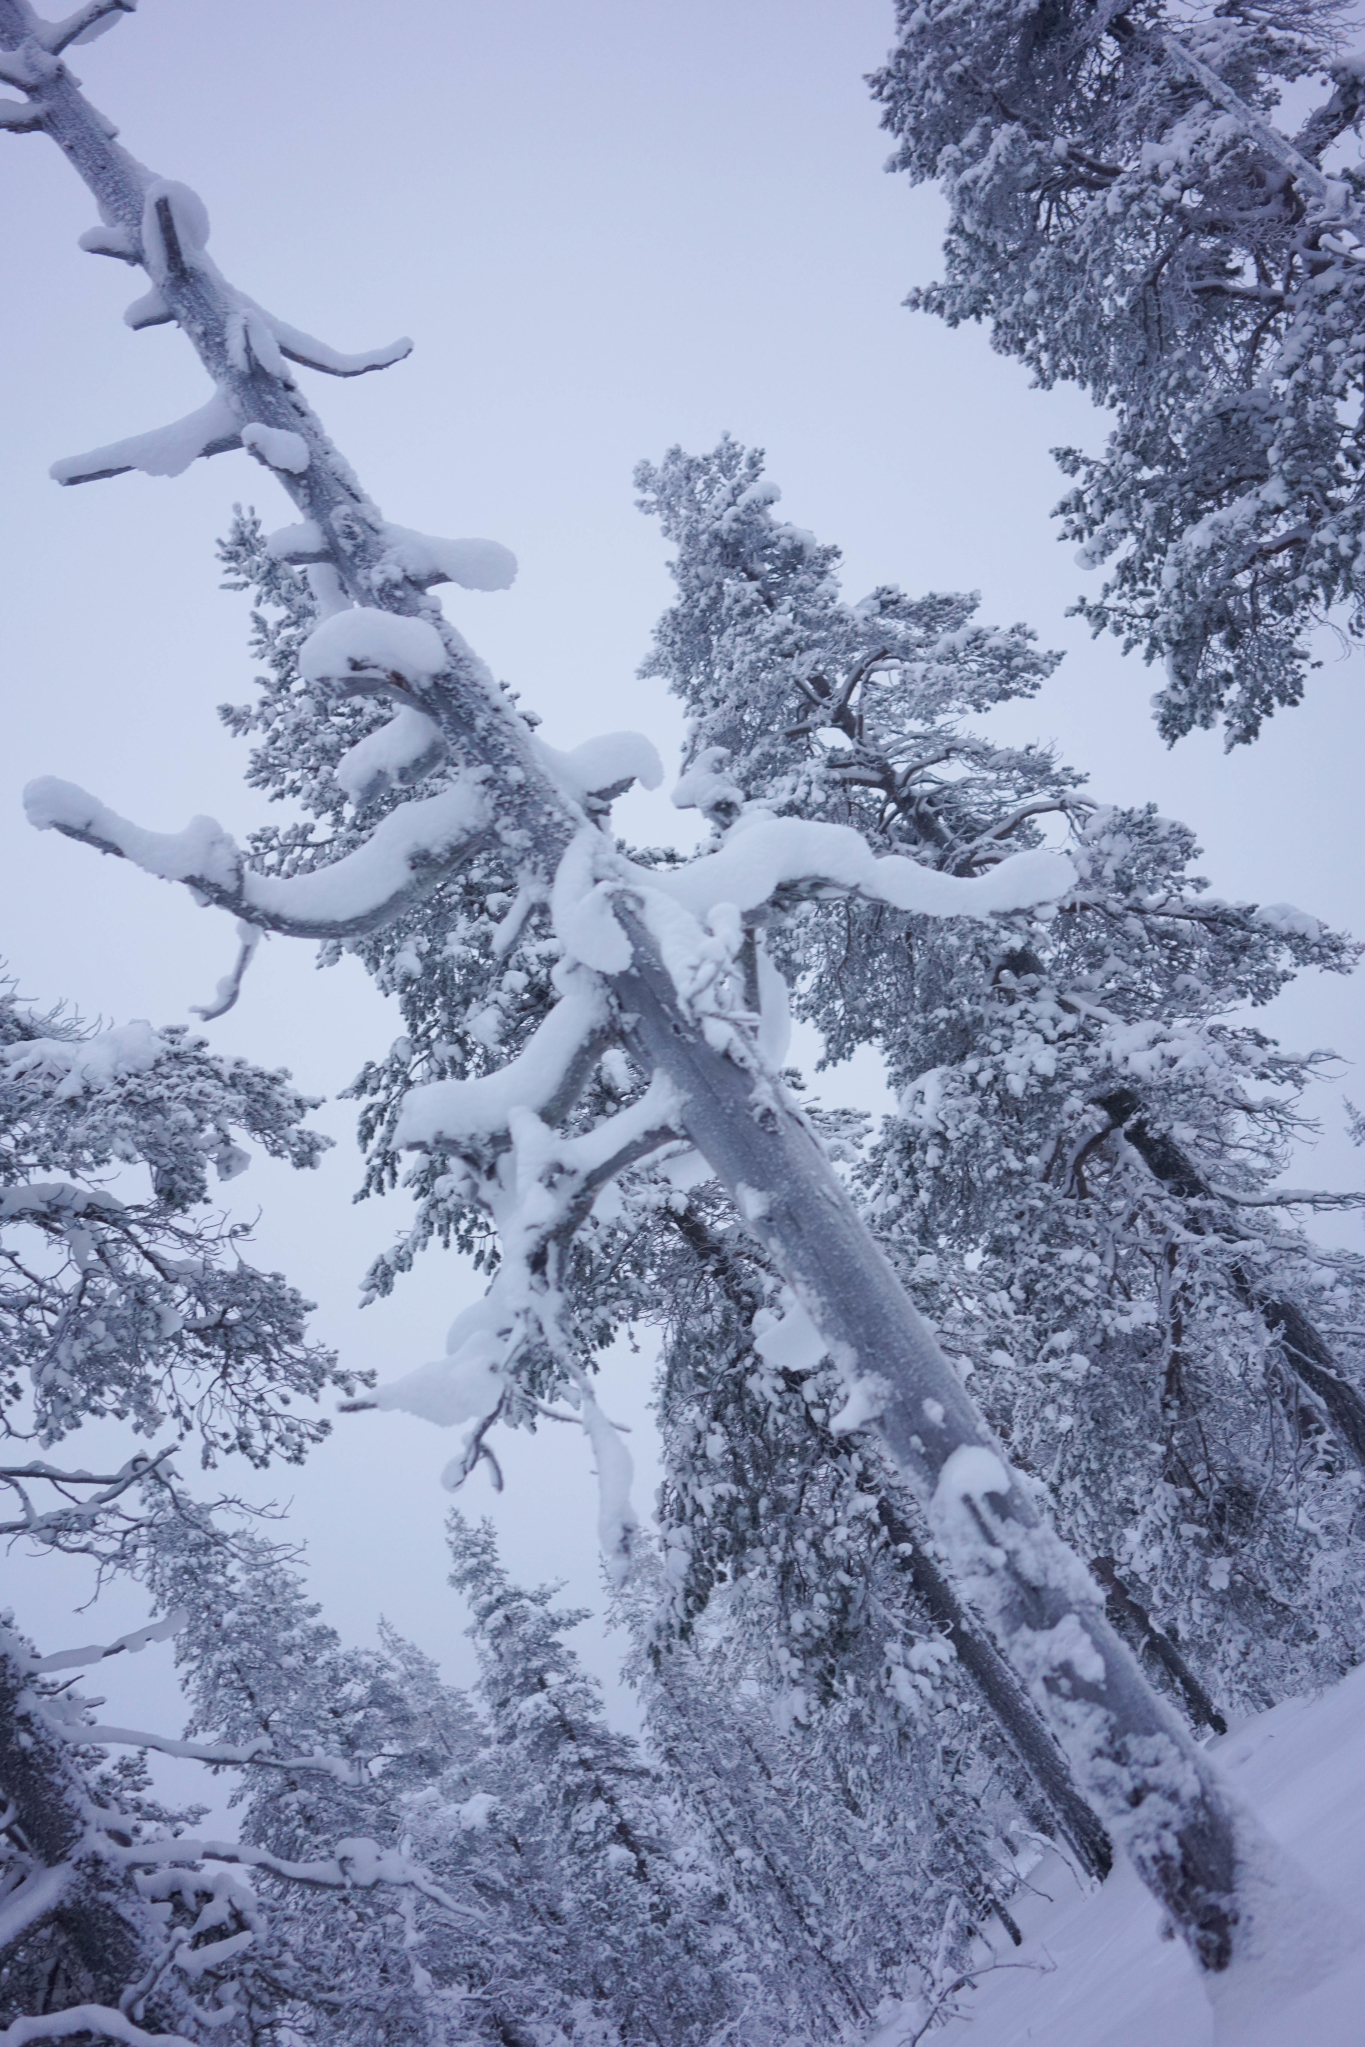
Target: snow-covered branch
{"type": "Point", "coordinates": [356, 1864]}
{"type": "Point", "coordinates": [798, 854]}
{"type": "Point", "coordinates": [80, 1659]}
{"type": "Point", "coordinates": [409, 853]}
{"type": "Point", "coordinates": [81, 27]}
{"type": "Point", "coordinates": [100, 2021]}
{"type": "Point", "coordinates": [227, 1754]}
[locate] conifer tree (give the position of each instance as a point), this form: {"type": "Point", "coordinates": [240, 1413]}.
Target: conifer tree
{"type": "Point", "coordinates": [1079, 1179]}
{"type": "Point", "coordinates": [1131, 210]}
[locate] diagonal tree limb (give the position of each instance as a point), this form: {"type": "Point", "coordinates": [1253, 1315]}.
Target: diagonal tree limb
{"type": "Point", "coordinates": [1306, 1353]}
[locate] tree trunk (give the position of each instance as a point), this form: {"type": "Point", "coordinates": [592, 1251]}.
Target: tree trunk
{"type": "Point", "coordinates": [1306, 1353]}
{"type": "Point", "coordinates": [1019, 1719]}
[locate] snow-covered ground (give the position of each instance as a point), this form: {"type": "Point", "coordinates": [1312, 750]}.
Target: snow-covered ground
{"type": "Point", "coordinates": [1094, 1970]}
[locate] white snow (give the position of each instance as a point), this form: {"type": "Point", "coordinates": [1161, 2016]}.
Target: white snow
{"type": "Point", "coordinates": [1292, 923]}
{"type": "Point", "coordinates": [387, 754]}
{"type": "Point", "coordinates": [759, 856]}
{"type": "Point", "coordinates": [1094, 1970]}
{"type": "Point", "coordinates": [580, 904]}
{"type": "Point", "coordinates": [318, 355]}
{"type": "Point", "coordinates": [100, 2021]}
{"type": "Point", "coordinates": [189, 219]}
{"type": "Point", "coordinates": [775, 1015]}
{"type": "Point", "coordinates": [363, 641]}
{"type": "Point", "coordinates": [203, 850]}
{"type": "Point", "coordinates": [455, 1109]}
{"type": "Point", "coordinates": [80, 1063]}
{"type": "Point", "coordinates": [303, 542]}
{"type": "Point", "coordinates": [616, 1518]}
{"type": "Point", "coordinates": [475, 1812]}
{"type": "Point", "coordinates": [602, 763]}
{"type": "Point", "coordinates": [165, 451]}
{"type": "Point", "coordinates": [788, 1340]}
{"type": "Point", "coordinates": [356, 886]}
{"type": "Point", "coordinates": [451, 1390]}
{"type": "Point", "coordinates": [277, 447]}
{"type": "Point", "coordinates": [361, 882]}
{"type": "Point", "coordinates": [867, 1397]}
{"type": "Point", "coordinates": [704, 784]}
{"type": "Point", "coordinates": [473, 564]}
{"type": "Point", "coordinates": [134, 1644]}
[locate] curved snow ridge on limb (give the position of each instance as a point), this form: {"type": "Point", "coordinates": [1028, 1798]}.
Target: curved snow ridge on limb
{"type": "Point", "coordinates": [212, 429]}
{"type": "Point", "coordinates": [424, 558]}
{"type": "Point", "coordinates": [760, 858]}
{"type": "Point", "coordinates": [406, 856]}
{"type": "Point", "coordinates": [450, 1110]}
{"type": "Point", "coordinates": [101, 2021]}
{"type": "Point", "coordinates": [364, 641]}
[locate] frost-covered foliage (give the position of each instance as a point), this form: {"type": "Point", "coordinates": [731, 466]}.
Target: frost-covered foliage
{"type": "Point", "coordinates": [629, 1261]}
{"type": "Point", "coordinates": [121, 1292]}
{"type": "Point", "coordinates": [427, 1867]}
{"type": "Point", "coordinates": [124, 1296]}
{"type": "Point", "coordinates": [1078, 1181]}
{"type": "Point", "coordinates": [853, 1739]}
{"type": "Point", "coordinates": [1125, 213]}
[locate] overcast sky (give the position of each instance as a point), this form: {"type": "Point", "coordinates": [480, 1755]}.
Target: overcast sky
{"type": "Point", "coordinates": [607, 228]}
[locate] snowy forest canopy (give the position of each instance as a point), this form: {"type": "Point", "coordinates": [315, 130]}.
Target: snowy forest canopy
{"type": "Point", "coordinates": [1012, 1442]}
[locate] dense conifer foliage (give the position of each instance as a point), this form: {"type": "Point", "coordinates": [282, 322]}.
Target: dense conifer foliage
{"type": "Point", "coordinates": [1159, 203]}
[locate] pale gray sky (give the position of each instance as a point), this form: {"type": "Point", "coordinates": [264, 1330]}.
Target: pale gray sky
{"type": "Point", "coordinates": [607, 228]}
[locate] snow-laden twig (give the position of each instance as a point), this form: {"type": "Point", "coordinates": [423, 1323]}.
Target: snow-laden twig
{"type": "Point", "coordinates": [409, 853]}
{"type": "Point", "coordinates": [101, 2021]}
{"type": "Point", "coordinates": [355, 1864]}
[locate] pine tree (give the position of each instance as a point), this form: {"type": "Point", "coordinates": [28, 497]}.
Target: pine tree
{"type": "Point", "coordinates": [1126, 214]}
{"type": "Point", "coordinates": [140, 1303]}
{"type": "Point", "coordinates": [1146, 1331]}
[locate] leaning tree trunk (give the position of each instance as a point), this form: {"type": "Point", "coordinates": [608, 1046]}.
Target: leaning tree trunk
{"type": "Point", "coordinates": [1307, 1355]}
{"type": "Point", "coordinates": [1018, 1718]}
{"type": "Point", "coordinates": [1153, 1787]}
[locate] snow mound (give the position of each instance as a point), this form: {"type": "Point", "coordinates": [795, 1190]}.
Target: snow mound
{"type": "Point", "coordinates": [1094, 1970]}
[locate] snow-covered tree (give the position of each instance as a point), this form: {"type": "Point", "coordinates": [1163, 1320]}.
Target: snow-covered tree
{"type": "Point", "coordinates": [426, 1870]}
{"type": "Point", "coordinates": [124, 1295]}
{"type": "Point", "coordinates": [140, 1303]}
{"type": "Point", "coordinates": [650, 1042]}
{"type": "Point", "coordinates": [1158, 203]}
{"type": "Point", "coordinates": [1079, 1180]}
